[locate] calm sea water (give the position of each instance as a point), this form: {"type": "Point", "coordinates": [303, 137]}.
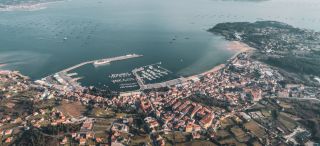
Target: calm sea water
{"type": "Point", "coordinates": [169, 31]}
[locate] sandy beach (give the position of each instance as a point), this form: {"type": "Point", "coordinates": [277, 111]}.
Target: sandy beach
{"type": "Point", "coordinates": [235, 46]}
{"type": "Point", "coordinates": [238, 47]}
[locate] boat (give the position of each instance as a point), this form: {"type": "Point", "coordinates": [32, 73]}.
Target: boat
{"type": "Point", "coordinates": [101, 62]}
{"type": "Point", "coordinates": [131, 55]}
{"type": "Point", "coordinates": [109, 60]}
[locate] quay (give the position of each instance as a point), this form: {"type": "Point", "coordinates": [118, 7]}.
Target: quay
{"type": "Point", "coordinates": [169, 83]}
{"type": "Point", "coordinates": [65, 79]}
{"type": "Point", "coordinates": [163, 84]}
{"type": "Point", "coordinates": [156, 85]}
{"type": "Point", "coordinates": [118, 58]}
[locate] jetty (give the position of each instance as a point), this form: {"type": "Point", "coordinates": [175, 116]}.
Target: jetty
{"type": "Point", "coordinates": [118, 58]}
{"type": "Point", "coordinates": [149, 72]}
{"type": "Point", "coordinates": [64, 78]}
{"type": "Point", "coordinates": [180, 80]}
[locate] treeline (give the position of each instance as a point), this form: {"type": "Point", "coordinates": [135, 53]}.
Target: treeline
{"type": "Point", "coordinates": [34, 137]}
{"type": "Point", "coordinates": [209, 101]}
{"type": "Point", "coordinates": [61, 129]}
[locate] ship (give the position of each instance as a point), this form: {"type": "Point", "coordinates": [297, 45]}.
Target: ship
{"type": "Point", "coordinates": [101, 62]}
{"type": "Point", "coordinates": [108, 61]}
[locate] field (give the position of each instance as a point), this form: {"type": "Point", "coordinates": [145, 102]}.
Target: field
{"type": "Point", "coordinates": [140, 139]}
{"type": "Point", "coordinates": [266, 113]}
{"type": "Point", "coordinates": [102, 113]}
{"type": "Point", "coordinates": [287, 122]}
{"type": "Point", "coordinates": [177, 138]}
{"type": "Point", "coordinates": [256, 143]}
{"type": "Point", "coordinates": [103, 124]}
{"type": "Point", "coordinates": [197, 143]}
{"type": "Point", "coordinates": [230, 141]}
{"type": "Point", "coordinates": [73, 109]}
{"type": "Point", "coordinates": [255, 129]}
{"type": "Point", "coordinates": [241, 136]}
{"type": "Point", "coordinates": [226, 122]}
{"type": "Point", "coordinates": [222, 134]}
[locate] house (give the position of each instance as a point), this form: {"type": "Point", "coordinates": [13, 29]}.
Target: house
{"type": "Point", "coordinates": [206, 121]}
{"type": "Point", "coordinates": [64, 140]}
{"type": "Point", "coordinates": [8, 140]}
{"type": "Point", "coordinates": [8, 132]}
{"type": "Point", "coordinates": [82, 141]}
{"type": "Point", "coordinates": [189, 128]}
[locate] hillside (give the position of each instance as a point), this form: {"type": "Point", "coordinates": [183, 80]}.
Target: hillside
{"type": "Point", "coordinates": [278, 44]}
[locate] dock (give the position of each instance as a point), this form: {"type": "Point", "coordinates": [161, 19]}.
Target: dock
{"type": "Point", "coordinates": [118, 58]}
{"type": "Point", "coordinates": [75, 66]}
{"type": "Point", "coordinates": [64, 79]}
{"type": "Point", "coordinates": [180, 80]}
{"type": "Point", "coordinates": [144, 86]}
{"type": "Point", "coordinates": [163, 84]}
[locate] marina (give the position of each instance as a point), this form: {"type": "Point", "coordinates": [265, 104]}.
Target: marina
{"type": "Point", "coordinates": [41, 43]}
{"type": "Point", "coordinates": [128, 85]}
{"type": "Point", "coordinates": [123, 80]}
{"type": "Point", "coordinates": [154, 76]}
{"type": "Point", "coordinates": [66, 79]}
{"type": "Point", "coordinates": [120, 75]}
{"type": "Point", "coordinates": [169, 83]}
{"type": "Point", "coordinates": [150, 73]}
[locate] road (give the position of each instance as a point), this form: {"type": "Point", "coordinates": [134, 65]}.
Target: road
{"type": "Point", "coordinates": [303, 98]}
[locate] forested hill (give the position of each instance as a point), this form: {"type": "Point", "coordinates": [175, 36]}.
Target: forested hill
{"type": "Point", "coordinates": [281, 45]}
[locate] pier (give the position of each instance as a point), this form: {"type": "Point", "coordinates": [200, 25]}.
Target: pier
{"type": "Point", "coordinates": [163, 84]}
{"type": "Point", "coordinates": [65, 79]}
{"type": "Point", "coordinates": [118, 58]}
{"type": "Point", "coordinates": [143, 85]}
{"type": "Point", "coordinates": [75, 66]}
{"type": "Point", "coordinates": [181, 80]}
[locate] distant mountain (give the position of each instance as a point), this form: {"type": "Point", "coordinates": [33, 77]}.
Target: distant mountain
{"type": "Point", "coordinates": [19, 2]}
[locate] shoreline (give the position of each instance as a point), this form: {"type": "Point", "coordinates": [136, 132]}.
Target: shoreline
{"type": "Point", "coordinates": [238, 47]}
{"type": "Point", "coordinates": [2, 65]}
{"type": "Point", "coordinates": [235, 46]}
{"type": "Point", "coordinates": [26, 6]}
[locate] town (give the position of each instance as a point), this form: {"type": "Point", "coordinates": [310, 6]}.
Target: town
{"type": "Point", "coordinates": [245, 102]}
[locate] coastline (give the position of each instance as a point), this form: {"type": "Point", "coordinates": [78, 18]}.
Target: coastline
{"type": "Point", "coordinates": [2, 65]}
{"type": "Point", "coordinates": [26, 7]}
{"type": "Point", "coordinates": [235, 46]}
{"type": "Point", "coordinates": [238, 47]}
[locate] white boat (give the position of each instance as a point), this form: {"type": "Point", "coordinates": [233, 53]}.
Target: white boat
{"type": "Point", "coordinates": [101, 62]}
